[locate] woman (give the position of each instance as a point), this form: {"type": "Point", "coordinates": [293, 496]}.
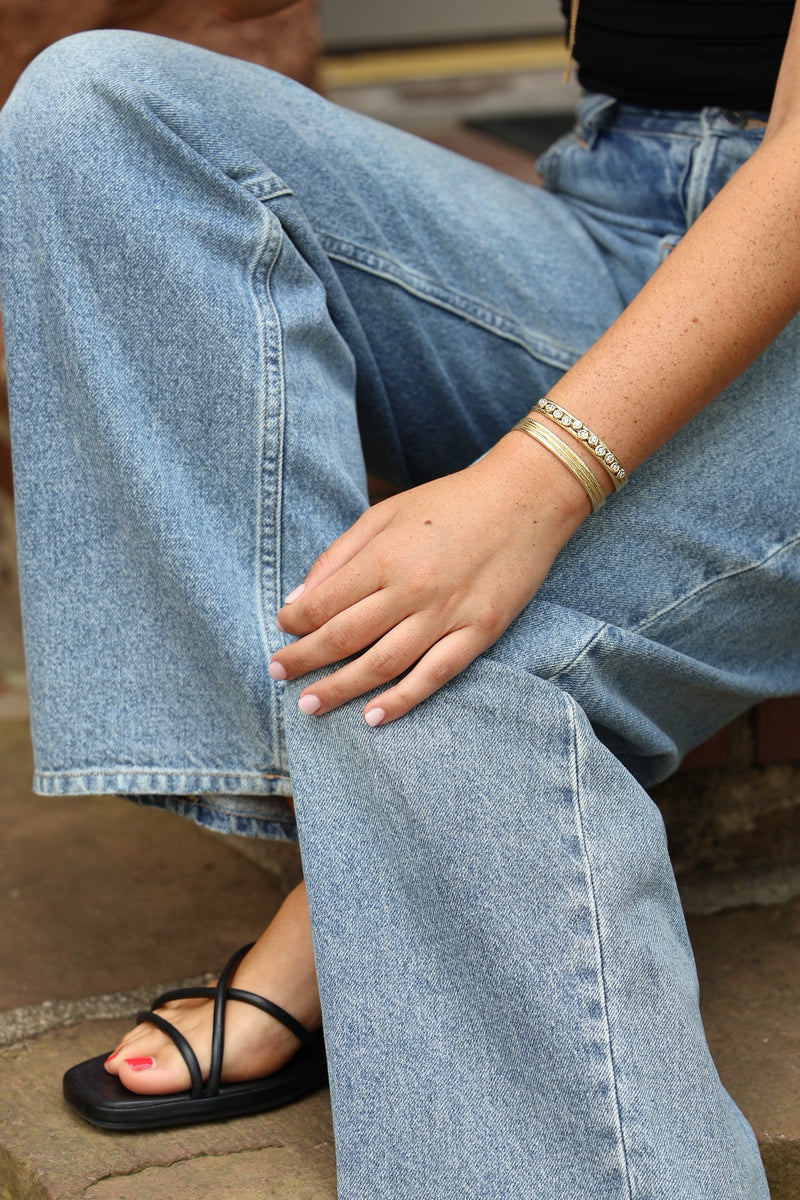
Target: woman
{"type": "Point", "coordinates": [222, 295]}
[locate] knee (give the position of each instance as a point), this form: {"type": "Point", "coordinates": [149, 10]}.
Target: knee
{"type": "Point", "coordinates": [60, 99]}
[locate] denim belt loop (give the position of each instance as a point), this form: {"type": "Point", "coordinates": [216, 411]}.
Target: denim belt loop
{"type": "Point", "coordinates": [589, 115]}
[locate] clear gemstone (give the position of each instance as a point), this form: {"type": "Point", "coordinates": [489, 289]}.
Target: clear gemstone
{"type": "Point", "coordinates": [610, 458]}
{"type": "Point", "coordinates": [593, 439]}
{"type": "Point", "coordinates": [584, 434]}
{"type": "Point", "coordinates": [557, 413]}
{"type": "Point", "coordinates": [576, 424]}
{"type": "Point", "coordinates": [599, 449]}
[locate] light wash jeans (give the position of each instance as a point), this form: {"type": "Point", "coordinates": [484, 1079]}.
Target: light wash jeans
{"type": "Point", "coordinates": [220, 294]}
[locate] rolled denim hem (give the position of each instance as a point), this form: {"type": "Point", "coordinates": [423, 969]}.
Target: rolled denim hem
{"type": "Point", "coordinates": [246, 816]}
{"type": "Point", "coordinates": [157, 781]}
{"type": "Point", "coordinates": [242, 802]}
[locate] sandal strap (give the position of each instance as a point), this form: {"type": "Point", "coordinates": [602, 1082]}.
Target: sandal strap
{"type": "Point", "coordinates": [218, 1031]}
{"type": "Point", "coordinates": [186, 1051]}
{"type": "Point", "coordinates": [261, 1002]}
{"type": "Point", "coordinates": [220, 995]}
{"type": "Point", "coordinates": [187, 993]}
{"type": "Point", "coordinates": [309, 1040]}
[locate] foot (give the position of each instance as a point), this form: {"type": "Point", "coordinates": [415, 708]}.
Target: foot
{"type": "Point", "coordinates": [280, 967]}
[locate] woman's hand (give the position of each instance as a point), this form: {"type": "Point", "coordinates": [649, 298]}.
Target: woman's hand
{"type": "Point", "coordinates": [427, 580]}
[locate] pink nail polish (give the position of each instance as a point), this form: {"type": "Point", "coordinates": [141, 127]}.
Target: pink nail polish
{"type": "Point", "coordinates": [277, 671]}
{"type": "Point", "coordinates": [296, 594]}
{"type": "Point", "coordinates": [375, 716]}
{"type": "Point", "coordinates": [140, 1064]}
{"type": "Point", "coordinates": [309, 704]}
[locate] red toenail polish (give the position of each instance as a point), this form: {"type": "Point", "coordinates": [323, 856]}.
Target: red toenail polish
{"type": "Point", "coordinates": [140, 1064]}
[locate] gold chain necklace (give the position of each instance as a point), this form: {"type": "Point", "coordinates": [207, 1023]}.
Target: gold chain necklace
{"type": "Point", "coordinates": [573, 25]}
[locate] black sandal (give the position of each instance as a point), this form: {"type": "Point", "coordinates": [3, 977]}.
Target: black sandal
{"type": "Point", "coordinates": [102, 1100]}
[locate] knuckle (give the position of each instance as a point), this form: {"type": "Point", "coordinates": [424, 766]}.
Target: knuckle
{"type": "Point", "coordinates": [386, 663]}
{"type": "Point", "coordinates": [402, 702]}
{"type": "Point", "coordinates": [334, 692]}
{"type": "Point", "coordinates": [322, 561]}
{"type": "Point", "coordinates": [442, 671]}
{"type": "Point", "coordinates": [316, 612]}
{"type": "Point", "coordinates": [294, 661]}
{"type": "Point", "coordinates": [338, 641]}
{"type": "Point", "coordinates": [419, 580]}
{"type": "Point", "coordinates": [490, 620]}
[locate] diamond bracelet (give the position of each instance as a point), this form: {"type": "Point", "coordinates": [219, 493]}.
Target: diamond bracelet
{"type": "Point", "coordinates": [581, 433]}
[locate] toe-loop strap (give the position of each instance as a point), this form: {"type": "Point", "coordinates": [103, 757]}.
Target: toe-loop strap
{"type": "Point", "coordinates": [187, 1053]}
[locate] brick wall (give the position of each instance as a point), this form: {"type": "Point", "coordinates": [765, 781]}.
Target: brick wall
{"type": "Point", "coordinates": [767, 734]}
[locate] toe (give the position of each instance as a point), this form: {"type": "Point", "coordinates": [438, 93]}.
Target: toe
{"type": "Point", "coordinates": [153, 1074]}
{"type": "Point", "coordinates": [148, 1062]}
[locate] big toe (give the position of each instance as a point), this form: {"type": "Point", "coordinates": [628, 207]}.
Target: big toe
{"type": "Point", "coordinates": [151, 1074]}
{"type": "Point", "coordinates": [150, 1064]}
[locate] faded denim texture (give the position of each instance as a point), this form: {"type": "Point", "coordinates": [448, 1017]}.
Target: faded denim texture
{"type": "Point", "coordinates": [221, 294]}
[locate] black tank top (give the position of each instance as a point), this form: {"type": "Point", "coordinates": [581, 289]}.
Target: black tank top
{"type": "Point", "coordinates": [682, 53]}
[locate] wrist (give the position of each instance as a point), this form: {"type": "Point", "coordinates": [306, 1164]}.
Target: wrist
{"type": "Point", "coordinates": [537, 485]}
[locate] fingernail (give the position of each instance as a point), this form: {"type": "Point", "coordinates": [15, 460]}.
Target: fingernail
{"type": "Point", "coordinates": [309, 704]}
{"type": "Point", "coordinates": [140, 1064]}
{"type": "Point", "coordinates": [114, 1055]}
{"type": "Point", "coordinates": [279, 626]}
{"type": "Point", "coordinates": [375, 716]}
{"type": "Point", "coordinates": [277, 671]}
{"type": "Point", "coordinates": [296, 594]}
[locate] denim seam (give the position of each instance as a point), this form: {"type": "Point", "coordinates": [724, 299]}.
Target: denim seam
{"type": "Point", "coordinates": [696, 189]}
{"type": "Point", "coordinates": [642, 626]}
{"type": "Point", "coordinates": [598, 945]}
{"type": "Point", "coordinates": [462, 306]}
{"type": "Point", "coordinates": [272, 429]}
{"type": "Point", "coordinates": [233, 773]}
{"type": "Point", "coordinates": [708, 584]}
{"type": "Point", "coordinates": [576, 658]}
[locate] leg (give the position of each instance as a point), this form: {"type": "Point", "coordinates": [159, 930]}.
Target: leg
{"type": "Point", "coordinates": [522, 937]}
{"type": "Point", "coordinates": [193, 336]}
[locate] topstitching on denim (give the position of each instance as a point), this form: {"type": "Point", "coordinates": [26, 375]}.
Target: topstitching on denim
{"type": "Point", "coordinates": [269, 582]}
{"type": "Point", "coordinates": [467, 307]}
{"type": "Point", "coordinates": [598, 946]}
{"type": "Point", "coordinates": [707, 584]}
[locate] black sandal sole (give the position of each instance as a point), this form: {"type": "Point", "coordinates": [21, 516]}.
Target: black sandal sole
{"type": "Point", "coordinates": [103, 1101]}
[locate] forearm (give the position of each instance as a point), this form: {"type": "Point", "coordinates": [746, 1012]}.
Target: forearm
{"type": "Point", "coordinates": [723, 294]}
